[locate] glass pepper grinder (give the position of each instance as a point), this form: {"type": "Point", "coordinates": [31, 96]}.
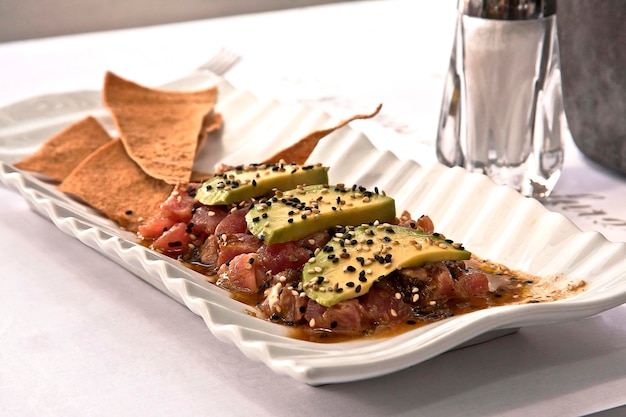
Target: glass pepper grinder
{"type": "Point", "coordinates": [502, 109]}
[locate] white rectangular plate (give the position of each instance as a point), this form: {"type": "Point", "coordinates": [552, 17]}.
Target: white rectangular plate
{"type": "Point", "coordinates": [493, 221]}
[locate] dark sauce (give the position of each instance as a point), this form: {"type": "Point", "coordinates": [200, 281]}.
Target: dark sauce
{"type": "Point", "coordinates": [507, 289]}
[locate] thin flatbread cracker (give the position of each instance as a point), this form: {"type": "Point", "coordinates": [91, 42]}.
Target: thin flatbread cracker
{"type": "Point", "coordinates": [300, 151]}
{"type": "Point", "coordinates": [160, 129]}
{"type": "Point", "coordinates": [63, 152]}
{"type": "Point", "coordinates": [212, 123]}
{"type": "Point", "coordinates": [109, 181]}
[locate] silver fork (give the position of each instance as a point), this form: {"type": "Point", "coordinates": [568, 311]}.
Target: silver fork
{"type": "Point", "coordinates": [221, 62]}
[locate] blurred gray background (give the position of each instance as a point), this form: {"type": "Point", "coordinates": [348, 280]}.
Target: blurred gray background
{"type": "Point", "coordinates": [28, 19]}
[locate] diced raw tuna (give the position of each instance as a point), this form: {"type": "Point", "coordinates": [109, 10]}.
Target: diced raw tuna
{"type": "Point", "coordinates": [231, 245]}
{"type": "Point", "coordinates": [424, 222]}
{"type": "Point", "coordinates": [173, 242]}
{"type": "Point", "coordinates": [234, 222]}
{"type": "Point", "coordinates": [285, 303]}
{"type": "Point", "coordinates": [383, 307]}
{"type": "Point", "coordinates": [344, 316]}
{"type": "Point", "coordinates": [242, 273]}
{"type": "Point", "coordinates": [156, 226]}
{"type": "Point", "coordinates": [282, 256]}
{"type": "Point", "coordinates": [206, 218]}
{"type": "Point", "coordinates": [179, 205]}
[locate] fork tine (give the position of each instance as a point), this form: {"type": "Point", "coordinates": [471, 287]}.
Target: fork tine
{"type": "Point", "coordinates": [221, 62]}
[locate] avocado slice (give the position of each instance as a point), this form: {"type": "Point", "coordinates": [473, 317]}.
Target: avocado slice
{"type": "Point", "coordinates": [351, 262]}
{"type": "Point", "coordinates": [297, 213]}
{"type": "Point", "coordinates": [255, 180]}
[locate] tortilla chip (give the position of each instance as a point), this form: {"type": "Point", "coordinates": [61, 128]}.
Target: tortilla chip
{"type": "Point", "coordinates": [300, 151]}
{"type": "Point", "coordinates": [212, 123]}
{"type": "Point", "coordinates": [109, 181]}
{"type": "Point", "coordinates": [160, 129]}
{"type": "Point", "coordinates": [60, 154]}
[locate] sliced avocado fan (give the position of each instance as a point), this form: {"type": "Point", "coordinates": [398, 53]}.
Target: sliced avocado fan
{"type": "Point", "coordinates": [256, 180]}
{"type": "Point", "coordinates": [352, 261]}
{"type": "Point", "coordinates": [297, 213]}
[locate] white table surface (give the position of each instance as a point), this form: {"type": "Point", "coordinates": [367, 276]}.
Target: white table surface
{"type": "Point", "coordinates": [81, 336]}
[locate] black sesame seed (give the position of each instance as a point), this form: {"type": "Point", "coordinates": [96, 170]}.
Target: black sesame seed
{"type": "Point", "coordinates": [358, 289]}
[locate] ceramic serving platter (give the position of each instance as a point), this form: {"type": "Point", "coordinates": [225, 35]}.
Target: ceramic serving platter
{"type": "Point", "coordinates": [492, 221]}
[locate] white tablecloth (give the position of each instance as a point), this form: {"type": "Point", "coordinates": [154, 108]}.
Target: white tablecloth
{"type": "Point", "coordinates": [81, 336]}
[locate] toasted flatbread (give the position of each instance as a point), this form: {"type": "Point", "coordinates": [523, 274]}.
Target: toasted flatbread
{"type": "Point", "coordinates": [161, 130]}
{"type": "Point", "coordinates": [300, 151]}
{"type": "Point", "coordinates": [109, 181]}
{"type": "Point", "coordinates": [63, 152]}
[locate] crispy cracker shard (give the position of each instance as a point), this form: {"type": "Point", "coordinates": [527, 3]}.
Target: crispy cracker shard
{"type": "Point", "coordinates": [109, 181]}
{"type": "Point", "coordinates": [300, 151]}
{"type": "Point", "coordinates": [60, 154]}
{"type": "Point", "coordinates": [161, 130]}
